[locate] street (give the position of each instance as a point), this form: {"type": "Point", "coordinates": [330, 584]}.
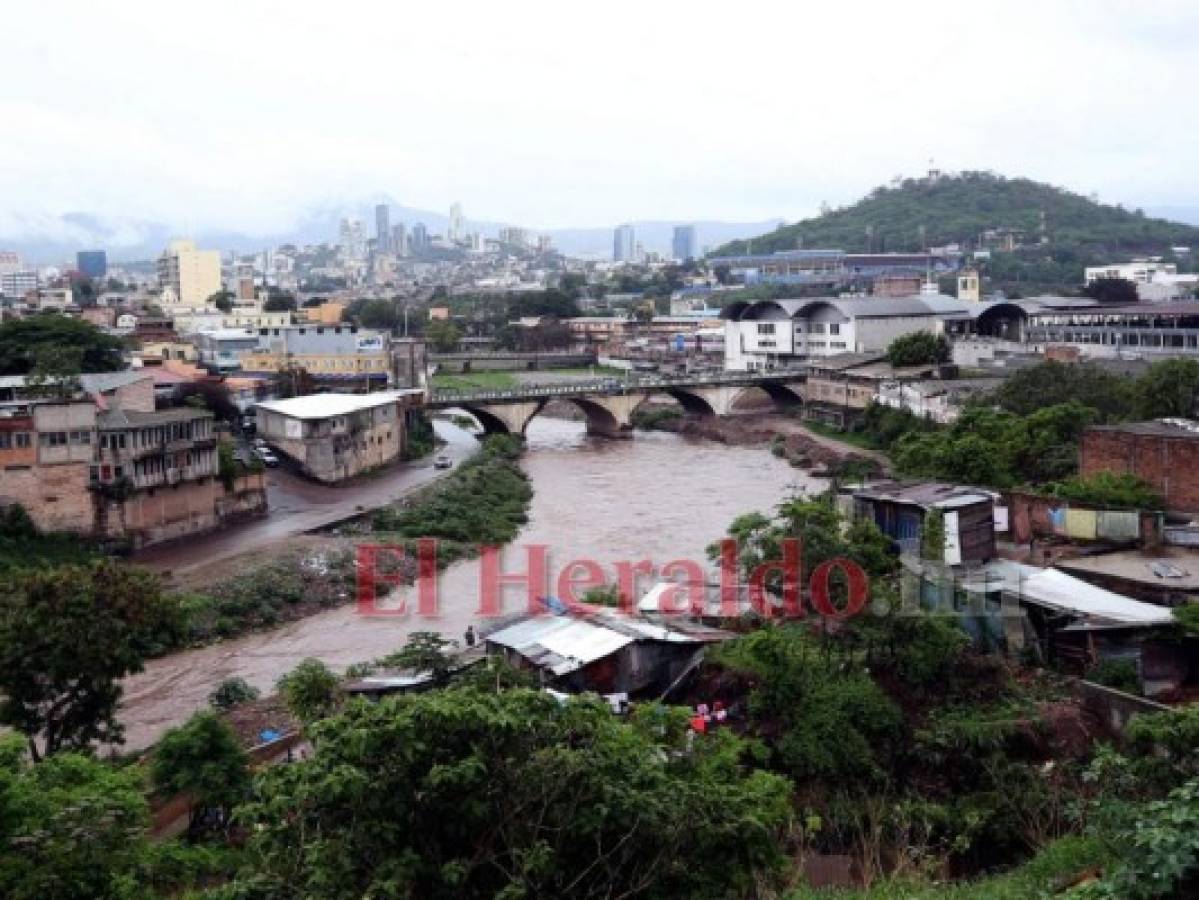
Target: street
{"type": "Point", "coordinates": [297, 505]}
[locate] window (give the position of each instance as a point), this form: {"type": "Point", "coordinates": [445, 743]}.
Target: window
{"type": "Point", "coordinates": [834, 328]}
{"type": "Point", "coordinates": [53, 438]}
{"type": "Point", "coordinates": [766, 328]}
{"type": "Point", "coordinates": [817, 328]}
{"type": "Point", "coordinates": [5, 440]}
{"type": "Point", "coordinates": [22, 439]}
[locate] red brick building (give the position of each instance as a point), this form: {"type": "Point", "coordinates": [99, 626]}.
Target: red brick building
{"type": "Point", "coordinates": [1163, 453]}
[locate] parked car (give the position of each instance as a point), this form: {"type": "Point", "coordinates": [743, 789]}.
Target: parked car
{"type": "Point", "coordinates": [266, 457]}
{"type": "Point", "coordinates": [442, 462]}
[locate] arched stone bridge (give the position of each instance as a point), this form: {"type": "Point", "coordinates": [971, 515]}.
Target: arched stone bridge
{"type": "Point", "coordinates": [609, 403]}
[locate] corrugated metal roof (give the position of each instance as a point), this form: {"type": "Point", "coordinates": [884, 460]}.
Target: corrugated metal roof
{"type": "Point", "coordinates": [560, 644]}
{"type": "Point", "coordinates": [323, 406]}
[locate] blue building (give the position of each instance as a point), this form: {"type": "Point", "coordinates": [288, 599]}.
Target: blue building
{"type": "Point", "coordinates": [683, 246]}
{"type": "Point", "coordinates": [92, 263]}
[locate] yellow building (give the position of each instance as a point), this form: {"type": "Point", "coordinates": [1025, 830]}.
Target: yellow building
{"type": "Point", "coordinates": [328, 313]}
{"type": "Point", "coordinates": [188, 276]}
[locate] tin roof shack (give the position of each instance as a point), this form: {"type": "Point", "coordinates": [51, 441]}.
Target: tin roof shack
{"type": "Point", "coordinates": [900, 510]}
{"type": "Point", "coordinates": [1065, 621]}
{"type": "Point", "coordinates": [606, 652]}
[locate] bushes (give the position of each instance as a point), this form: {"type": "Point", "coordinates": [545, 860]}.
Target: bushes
{"type": "Point", "coordinates": [230, 693]}
{"type": "Point", "coordinates": [1120, 674]}
{"type": "Point", "coordinates": [1121, 490]}
{"type": "Point", "coordinates": [485, 501]}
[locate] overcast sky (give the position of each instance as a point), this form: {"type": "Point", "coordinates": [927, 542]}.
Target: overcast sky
{"type": "Point", "coordinates": [572, 113]}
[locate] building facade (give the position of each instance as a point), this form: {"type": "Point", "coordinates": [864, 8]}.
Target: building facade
{"type": "Point", "coordinates": [326, 352]}
{"type": "Point", "coordinates": [683, 244]}
{"type": "Point", "coordinates": [624, 244]}
{"type": "Point", "coordinates": [92, 263]}
{"type": "Point", "coordinates": [187, 276]}
{"type": "Point", "coordinates": [332, 437]}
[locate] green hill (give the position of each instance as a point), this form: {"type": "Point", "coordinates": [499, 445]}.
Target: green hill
{"type": "Point", "coordinates": [959, 208]}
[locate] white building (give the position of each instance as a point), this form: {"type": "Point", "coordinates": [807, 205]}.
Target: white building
{"type": "Point", "coordinates": [770, 334]}
{"type": "Point", "coordinates": [1141, 271]}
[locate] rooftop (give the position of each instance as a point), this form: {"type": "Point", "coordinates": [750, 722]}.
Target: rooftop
{"type": "Point", "coordinates": [324, 406]}
{"type": "Point", "coordinates": [1187, 429]}
{"type": "Point", "coordinates": [927, 494]}
{"type": "Point", "coordinates": [121, 418]}
{"type": "Point", "coordinates": [1170, 567]}
{"type": "Point", "coordinates": [1055, 589]}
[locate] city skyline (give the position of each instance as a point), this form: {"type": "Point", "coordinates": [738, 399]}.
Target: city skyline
{"type": "Point", "coordinates": [189, 129]}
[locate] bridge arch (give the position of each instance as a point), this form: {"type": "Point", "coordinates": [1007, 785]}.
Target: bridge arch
{"type": "Point", "coordinates": [784, 396]}
{"type": "Point", "coordinates": [487, 419]}
{"type": "Point", "coordinates": [692, 402]}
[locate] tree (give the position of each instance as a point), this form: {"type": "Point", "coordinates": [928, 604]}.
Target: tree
{"type": "Point", "coordinates": [67, 637]}
{"type": "Point", "coordinates": [1168, 389]}
{"type": "Point", "coordinates": [1112, 290]}
{"type": "Point", "coordinates": [466, 793]}
{"type": "Point", "coordinates": [425, 651]}
{"type": "Point", "coordinates": [222, 300]}
{"type": "Point", "coordinates": [1051, 383]}
{"type": "Point", "coordinates": [384, 314]}
{"type": "Point", "coordinates": [202, 760]}
{"type": "Point", "coordinates": [920, 348]}
{"type": "Point", "coordinates": [443, 335]}
{"type": "Point", "coordinates": [213, 396]}
{"type": "Point", "coordinates": [279, 301]}
{"type": "Point", "coordinates": [23, 340]}
{"type": "Point", "coordinates": [310, 691]}
{"type": "Point", "coordinates": [1111, 489]}
{"type": "Point", "coordinates": [71, 827]}
{"type": "Point", "coordinates": [231, 693]}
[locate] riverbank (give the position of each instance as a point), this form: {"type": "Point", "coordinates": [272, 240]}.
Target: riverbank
{"type": "Point", "coordinates": [801, 445]}
{"type": "Point", "coordinates": [660, 497]}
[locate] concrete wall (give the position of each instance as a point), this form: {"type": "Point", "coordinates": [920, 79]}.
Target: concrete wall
{"type": "Point", "coordinates": [1170, 464]}
{"type": "Point", "coordinates": [56, 497]}
{"type": "Point", "coordinates": [1114, 708]}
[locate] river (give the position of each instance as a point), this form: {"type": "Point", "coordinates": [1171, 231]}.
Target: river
{"type": "Point", "coordinates": [659, 496]}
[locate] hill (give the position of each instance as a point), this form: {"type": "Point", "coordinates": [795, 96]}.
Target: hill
{"type": "Point", "coordinates": [959, 208]}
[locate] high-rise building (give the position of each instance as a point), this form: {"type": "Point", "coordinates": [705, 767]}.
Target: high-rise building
{"type": "Point", "coordinates": [352, 240]}
{"type": "Point", "coordinates": [92, 263]}
{"type": "Point", "coordinates": [624, 244]}
{"type": "Point", "coordinates": [420, 238]}
{"type": "Point", "coordinates": [188, 276]}
{"type": "Point", "coordinates": [399, 240]}
{"type": "Point", "coordinates": [455, 230]}
{"type": "Point", "coordinates": [683, 245]}
{"type": "Point", "coordinates": [382, 228]}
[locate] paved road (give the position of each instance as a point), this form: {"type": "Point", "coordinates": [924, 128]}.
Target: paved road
{"type": "Point", "coordinates": [298, 506]}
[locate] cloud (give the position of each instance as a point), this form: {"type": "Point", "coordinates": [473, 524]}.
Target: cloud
{"type": "Point", "coordinates": [242, 115]}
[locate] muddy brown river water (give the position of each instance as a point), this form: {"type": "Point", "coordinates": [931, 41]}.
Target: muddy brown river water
{"type": "Point", "coordinates": [659, 497]}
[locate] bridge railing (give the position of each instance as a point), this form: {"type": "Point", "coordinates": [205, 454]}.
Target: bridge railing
{"type": "Point", "coordinates": [609, 386]}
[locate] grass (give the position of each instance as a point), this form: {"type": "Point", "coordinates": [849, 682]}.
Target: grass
{"type": "Point", "coordinates": [475, 381]}
{"type": "Point", "coordinates": [1056, 865]}
{"type": "Point", "coordinates": [860, 439]}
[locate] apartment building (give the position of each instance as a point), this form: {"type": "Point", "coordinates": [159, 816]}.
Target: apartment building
{"type": "Point", "coordinates": [187, 276]}
{"type": "Point", "coordinates": [105, 464]}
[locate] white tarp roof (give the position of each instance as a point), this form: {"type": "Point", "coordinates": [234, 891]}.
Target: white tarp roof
{"type": "Point", "coordinates": [323, 406]}
{"type": "Point", "coordinates": [1054, 588]}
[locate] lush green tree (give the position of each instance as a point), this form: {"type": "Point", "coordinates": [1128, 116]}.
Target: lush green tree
{"type": "Point", "coordinates": [1052, 383]}
{"type": "Point", "coordinates": [213, 396]}
{"type": "Point", "coordinates": [23, 340]}
{"type": "Point", "coordinates": [71, 828]}
{"type": "Point", "coordinates": [222, 300]}
{"type": "Point", "coordinates": [231, 693]}
{"type": "Point", "coordinates": [67, 637]}
{"type": "Point", "coordinates": [425, 651]}
{"type": "Point", "coordinates": [382, 314]}
{"type": "Point", "coordinates": [920, 348]}
{"type": "Point", "coordinates": [310, 690]}
{"type": "Point", "coordinates": [202, 760]}
{"type": "Point", "coordinates": [279, 301]}
{"type": "Point", "coordinates": [1112, 290]}
{"type": "Point", "coordinates": [463, 793]}
{"type": "Point", "coordinates": [443, 335]}
{"type": "Point", "coordinates": [1168, 389]}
